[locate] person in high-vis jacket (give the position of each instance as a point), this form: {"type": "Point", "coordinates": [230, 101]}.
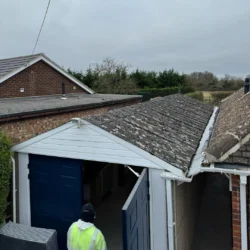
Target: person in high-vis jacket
{"type": "Point", "coordinates": [83, 235]}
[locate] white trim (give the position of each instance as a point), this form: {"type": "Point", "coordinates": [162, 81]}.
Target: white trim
{"type": "Point", "coordinates": [212, 169]}
{"type": "Point", "coordinates": [200, 155]}
{"type": "Point", "coordinates": [162, 164]}
{"type": "Point", "coordinates": [24, 190]}
{"type": "Point", "coordinates": [243, 212]}
{"type": "Point", "coordinates": [53, 65]}
{"type": "Point", "coordinates": [170, 222]}
{"type": "Point", "coordinates": [151, 214]}
{"type": "Point", "coordinates": [14, 187]}
{"type": "Point", "coordinates": [169, 176]}
{"type": "Point", "coordinates": [155, 161]}
{"type": "Point", "coordinates": [158, 210]}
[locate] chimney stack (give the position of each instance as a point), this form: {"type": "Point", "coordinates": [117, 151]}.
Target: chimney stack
{"type": "Point", "coordinates": [246, 85]}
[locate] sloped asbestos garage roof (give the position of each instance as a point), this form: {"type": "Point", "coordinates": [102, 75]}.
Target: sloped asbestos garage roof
{"type": "Point", "coordinates": [163, 133]}
{"type": "Point", "coordinates": [169, 128]}
{"type": "Point", "coordinates": [232, 125]}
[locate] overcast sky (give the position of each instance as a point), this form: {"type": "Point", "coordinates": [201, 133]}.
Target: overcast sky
{"type": "Point", "coordinates": [187, 35]}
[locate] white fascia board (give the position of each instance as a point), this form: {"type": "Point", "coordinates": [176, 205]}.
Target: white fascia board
{"type": "Point", "coordinates": [63, 72]}
{"type": "Point", "coordinates": [162, 164]}
{"type": "Point", "coordinates": [53, 65]}
{"type": "Point", "coordinates": [38, 138]}
{"type": "Point", "coordinates": [200, 155]}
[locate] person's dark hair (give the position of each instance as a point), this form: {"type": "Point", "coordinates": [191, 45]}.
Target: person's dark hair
{"type": "Point", "coordinates": [88, 213]}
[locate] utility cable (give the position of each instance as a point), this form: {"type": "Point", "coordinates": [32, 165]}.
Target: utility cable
{"type": "Point", "coordinates": [41, 27]}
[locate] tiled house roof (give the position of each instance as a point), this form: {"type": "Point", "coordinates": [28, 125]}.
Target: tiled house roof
{"type": "Point", "coordinates": [169, 128]}
{"type": "Point", "coordinates": [10, 64]}
{"type": "Point", "coordinates": [231, 131]}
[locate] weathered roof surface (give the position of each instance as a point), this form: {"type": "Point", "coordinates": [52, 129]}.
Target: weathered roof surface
{"type": "Point", "coordinates": [15, 107]}
{"type": "Point", "coordinates": [232, 124]}
{"type": "Point", "coordinates": [10, 64]}
{"type": "Point", "coordinates": [169, 128]}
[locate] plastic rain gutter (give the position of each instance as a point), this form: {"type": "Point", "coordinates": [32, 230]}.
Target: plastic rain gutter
{"type": "Point", "coordinates": [14, 187]}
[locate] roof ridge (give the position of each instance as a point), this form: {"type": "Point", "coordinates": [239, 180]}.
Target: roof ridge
{"type": "Point", "coordinates": [35, 55]}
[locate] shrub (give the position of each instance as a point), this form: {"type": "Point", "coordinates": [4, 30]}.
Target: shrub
{"type": "Point", "coordinates": [218, 96]}
{"type": "Point", "coordinates": [149, 93]}
{"type": "Point", "coordinates": [5, 173]}
{"type": "Point", "coordinates": [198, 95]}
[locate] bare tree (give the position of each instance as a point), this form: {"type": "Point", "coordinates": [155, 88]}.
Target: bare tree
{"type": "Point", "coordinates": [113, 78]}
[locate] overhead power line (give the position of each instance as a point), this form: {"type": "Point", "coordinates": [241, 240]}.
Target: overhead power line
{"type": "Point", "coordinates": [41, 27]}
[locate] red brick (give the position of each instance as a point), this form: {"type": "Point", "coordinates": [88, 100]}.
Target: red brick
{"type": "Point", "coordinates": [38, 79]}
{"type": "Point", "coordinates": [25, 129]}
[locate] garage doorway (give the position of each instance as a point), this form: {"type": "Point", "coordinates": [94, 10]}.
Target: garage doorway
{"type": "Point", "coordinates": [60, 186]}
{"type": "Point", "coordinates": [214, 225]}
{"type": "Point", "coordinates": [117, 193]}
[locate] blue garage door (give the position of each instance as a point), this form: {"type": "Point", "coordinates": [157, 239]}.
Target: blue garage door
{"type": "Point", "coordinates": [56, 193]}
{"type": "Point", "coordinates": [135, 216]}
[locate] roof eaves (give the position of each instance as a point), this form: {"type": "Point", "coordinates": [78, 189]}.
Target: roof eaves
{"type": "Point", "coordinates": [200, 155]}
{"type": "Point", "coordinates": [64, 72]}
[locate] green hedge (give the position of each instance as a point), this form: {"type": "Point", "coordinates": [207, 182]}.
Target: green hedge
{"type": "Point", "coordinates": [149, 93]}
{"type": "Point", "coordinates": [5, 173]}
{"type": "Point", "coordinates": [196, 95]}
{"type": "Point", "coordinates": [218, 96]}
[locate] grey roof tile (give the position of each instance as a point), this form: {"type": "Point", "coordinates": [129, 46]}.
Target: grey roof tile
{"type": "Point", "coordinates": [169, 128]}
{"type": "Point", "coordinates": [10, 64]}
{"type": "Point", "coordinates": [232, 124]}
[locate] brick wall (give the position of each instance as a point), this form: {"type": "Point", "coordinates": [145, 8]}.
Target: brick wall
{"type": "Point", "coordinates": [241, 156]}
{"type": "Point", "coordinates": [24, 129]}
{"type": "Point", "coordinates": [236, 223]}
{"type": "Point", "coordinates": [38, 79]}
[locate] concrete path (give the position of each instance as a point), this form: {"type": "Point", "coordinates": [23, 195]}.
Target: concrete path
{"type": "Point", "coordinates": [108, 218]}
{"type": "Point", "coordinates": [214, 225]}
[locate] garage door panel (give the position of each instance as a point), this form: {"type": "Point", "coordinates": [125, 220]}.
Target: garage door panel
{"type": "Point", "coordinates": [135, 216]}
{"type": "Point", "coordinates": [56, 193]}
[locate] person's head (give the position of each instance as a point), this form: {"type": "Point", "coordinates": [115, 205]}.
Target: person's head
{"type": "Point", "coordinates": [88, 213]}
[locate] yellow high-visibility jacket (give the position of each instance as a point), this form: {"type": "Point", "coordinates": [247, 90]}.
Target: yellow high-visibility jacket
{"type": "Point", "coordinates": [85, 236]}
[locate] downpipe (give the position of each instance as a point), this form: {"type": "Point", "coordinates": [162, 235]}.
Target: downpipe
{"type": "Point", "coordinates": [14, 187]}
{"type": "Point", "coordinates": [243, 208]}
{"type": "Point", "coordinates": [170, 218]}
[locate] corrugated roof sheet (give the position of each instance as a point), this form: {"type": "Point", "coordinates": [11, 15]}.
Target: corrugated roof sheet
{"type": "Point", "coordinates": [232, 124]}
{"type": "Point", "coordinates": [169, 128]}
{"type": "Point", "coordinates": [10, 64]}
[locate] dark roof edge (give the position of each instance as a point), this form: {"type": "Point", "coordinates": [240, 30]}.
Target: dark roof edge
{"type": "Point", "coordinates": [32, 114]}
